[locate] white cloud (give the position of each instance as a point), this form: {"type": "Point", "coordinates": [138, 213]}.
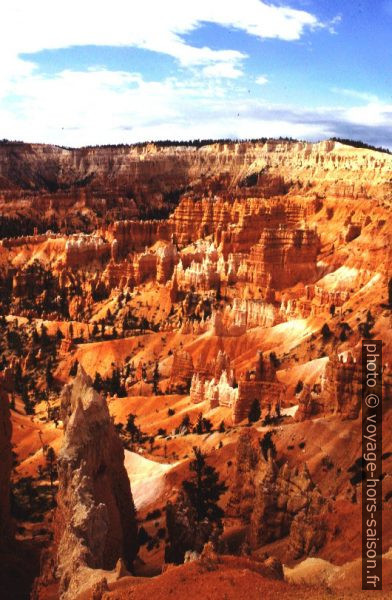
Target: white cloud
{"type": "Point", "coordinates": [226, 70]}
{"type": "Point", "coordinates": [373, 114]}
{"type": "Point", "coordinates": [29, 27]}
{"type": "Point", "coordinates": [100, 106]}
{"type": "Point", "coordinates": [261, 80]}
{"type": "Point", "coordinates": [32, 26]}
{"type": "Point", "coordinates": [366, 96]}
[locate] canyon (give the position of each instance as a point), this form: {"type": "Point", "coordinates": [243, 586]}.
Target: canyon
{"type": "Point", "coordinates": [176, 314]}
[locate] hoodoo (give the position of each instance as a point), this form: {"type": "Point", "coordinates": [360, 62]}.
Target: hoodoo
{"type": "Point", "coordinates": [190, 319]}
{"type": "Point", "coordinates": [95, 521]}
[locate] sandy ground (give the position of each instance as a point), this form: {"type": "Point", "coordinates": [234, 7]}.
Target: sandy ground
{"type": "Point", "coordinates": [148, 478]}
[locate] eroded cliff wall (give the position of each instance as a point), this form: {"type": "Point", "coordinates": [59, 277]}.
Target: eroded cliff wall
{"type": "Point", "coordinates": [274, 167]}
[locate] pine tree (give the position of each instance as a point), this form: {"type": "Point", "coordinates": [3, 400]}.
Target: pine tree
{"type": "Point", "coordinates": [299, 386]}
{"type": "Point", "coordinates": [185, 423]}
{"type": "Point", "coordinates": [132, 428]}
{"type": "Point", "coordinates": [199, 424]}
{"type": "Point", "coordinates": [274, 360]}
{"type": "Point", "coordinates": [207, 425]}
{"type": "Point", "coordinates": [155, 378]}
{"type": "Point", "coordinates": [49, 375]}
{"type": "Point", "coordinates": [35, 337]}
{"type": "Point", "coordinates": [74, 368]}
{"type": "Point", "coordinates": [44, 339]}
{"type": "Point", "coordinates": [98, 382]}
{"type": "Point", "coordinates": [19, 381]}
{"type": "Point", "coordinates": [204, 489]}
{"type": "Point", "coordinates": [267, 445]}
{"type": "Point", "coordinates": [343, 336]}
{"type": "Point", "coordinates": [29, 408]}
{"type": "Point", "coordinates": [115, 382]}
{"type": "Point", "coordinates": [254, 412]}
{"type": "Point", "coordinates": [365, 329]}
{"type": "Point", "coordinates": [50, 459]}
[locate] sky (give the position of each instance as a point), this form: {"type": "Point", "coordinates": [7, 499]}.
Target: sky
{"type": "Point", "coordinates": [89, 72]}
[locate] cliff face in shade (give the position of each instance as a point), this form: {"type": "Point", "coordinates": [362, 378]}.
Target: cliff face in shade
{"type": "Point", "coordinates": [5, 468]}
{"type": "Point", "coordinates": [288, 503]}
{"type": "Point", "coordinates": [276, 501]}
{"type": "Point", "coordinates": [95, 522]}
{"type": "Point", "coordinates": [184, 532]}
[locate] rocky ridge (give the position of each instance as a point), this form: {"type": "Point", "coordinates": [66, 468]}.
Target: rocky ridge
{"type": "Point", "coordinates": [95, 523]}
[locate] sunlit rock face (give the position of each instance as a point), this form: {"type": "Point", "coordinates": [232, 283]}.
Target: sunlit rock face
{"type": "Point", "coordinates": [96, 177]}
{"type": "Point", "coordinates": [127, 165]}
{"type": "Point", "coordinates": [95, 522]}
{"type": "Point", "coordinates": [196, 286]}
{"type": "Point", "coordinates": [282, 258]}
{"type": "Point", "coordinates": [81, 250]}
{"type": "Point", "coordinates": [339, 393]}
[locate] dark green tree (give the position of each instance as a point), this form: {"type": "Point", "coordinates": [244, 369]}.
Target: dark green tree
{"type": "Point", "coordinates": [74, 368]}
{"type": "Point", "coordinates": [254, 411]}
{"type": "Point", "coordinates": [155, 378]}
{"type": "Point", "coordinates": [14, 341]}
{"type": "Point", "coordinates": [203, 425]}
{"type": "Point", "coordinates": [185, 423]}
{"type": "Point", "coordinates": [49, 375]}
{"type": "Point", "coordinates": [365, 329]}
{"type": "Point", "coordinates": [274, 360]}
{"type": "Point", "coordinates": [51, 466]}
{"type": "Point", "coordinates": [132, 428]}
{"type": "Point", "coordinates": [299, 386]}
{"type": "Point", "coordinates": [98, 382]}
{"type": "Point", "coordinates": [199, 424]}
{"type": "Point", "coordinates": [204, 488]}
{"type": "Point", "coordinates": [44, 337]}
{"type": "Point", "coordinates": [35, 337]}
{"type": "Point", "coordinates": [267, 445]}
{"type": "Point", "coordinates": [343, 336]}
{"type": "Point", "coordinates": [29, 408]}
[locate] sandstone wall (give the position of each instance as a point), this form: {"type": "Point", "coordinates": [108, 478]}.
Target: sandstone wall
{"type": "Point", "coordinates": [283, 257]}
{"type": "Point", "coordinates": [148, 169]}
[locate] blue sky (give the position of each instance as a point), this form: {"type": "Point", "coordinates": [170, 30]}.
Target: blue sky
{"type": "Point", "coordinates": [90, 72]}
